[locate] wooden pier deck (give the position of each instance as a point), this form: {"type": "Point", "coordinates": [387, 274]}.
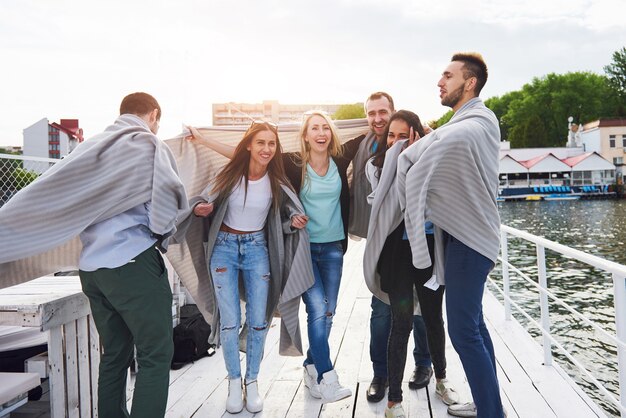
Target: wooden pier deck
{"type": "Point", "coordinates": [528, 388]}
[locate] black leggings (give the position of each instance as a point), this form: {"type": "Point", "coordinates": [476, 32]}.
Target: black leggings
{"type": "Point", "coordinates": [400, 290]}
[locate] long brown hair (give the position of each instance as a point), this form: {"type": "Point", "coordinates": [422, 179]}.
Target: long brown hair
{"type": "Point", "coordinates": [334, 148]}
{"type": "Point", "coordinates": [230, 176]}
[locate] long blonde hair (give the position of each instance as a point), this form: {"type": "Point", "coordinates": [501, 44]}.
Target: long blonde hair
{"type": "Point", "coordinates": [334, 149]}
{"type": "Point", "coordinates": [230, 176]}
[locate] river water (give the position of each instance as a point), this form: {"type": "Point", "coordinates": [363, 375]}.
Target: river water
{"type": "Point", "coordinates": [597, 227]}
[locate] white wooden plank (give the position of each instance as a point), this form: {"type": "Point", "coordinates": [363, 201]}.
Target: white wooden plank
{"type": "Point", "coordinates": [562, 398]}
{"type": "Point", "coordinates": [84, 372]}
{"type": "Point", "coordinates": [71, 370]}
{"type": "Point", "coordinates": [94, 361]}
{"type": "Point", "coordinates": [57, 380]}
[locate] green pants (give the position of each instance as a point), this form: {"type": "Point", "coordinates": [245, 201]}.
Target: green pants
{"type": "Point", "coordinates": [132, 306]}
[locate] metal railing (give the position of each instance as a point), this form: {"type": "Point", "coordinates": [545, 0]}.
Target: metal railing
{"type": "Point", "coordinates": [17, 171]}
{"type": "Point", "coordinates": [618, 273]}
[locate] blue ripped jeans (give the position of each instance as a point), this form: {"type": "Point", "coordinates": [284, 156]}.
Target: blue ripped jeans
{"type": "Point", "coordinates": [321, 301]}
{"type": "Point", "coordinates": [246, 254]}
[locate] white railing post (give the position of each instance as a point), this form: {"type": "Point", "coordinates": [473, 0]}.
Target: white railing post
{"type": "Point", "coordinates": [619, 290]}
{"type": "Point", "coordinates": [504, 249]}
{"type": "Point", "coordinates": [543, 302]}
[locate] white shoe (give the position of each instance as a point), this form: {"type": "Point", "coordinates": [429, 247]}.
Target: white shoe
{"type": "Point", "coordinates": [254, 403]}
{"type": "Point", "coordinates": [310, 381]}
{"type": "Point", "coordinates": [395, 411]}
{"type": "Point", "coordinates": [330, 388]}
{"type": "Point", "coordinates": [446, 393]}
{"type": "Point", "coordinates": [466, 410]}
{"type": "Point", "coordinates": [234, 402]}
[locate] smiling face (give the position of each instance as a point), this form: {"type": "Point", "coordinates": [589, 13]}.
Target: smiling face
{"type": "Point", "coordinates": [378, 113]}
{"type": "Point", "coordinates": [318, 134]}
{"type": "Point", "coordinates": [398, 130]}
{"type": "Point", "coordinates": [262, 148]}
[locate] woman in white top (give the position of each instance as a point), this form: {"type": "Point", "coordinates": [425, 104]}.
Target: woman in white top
{"type": "Point", "coordinates": [245, 195]}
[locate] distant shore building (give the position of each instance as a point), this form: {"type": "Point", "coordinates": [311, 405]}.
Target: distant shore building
{"type": "Point", "coordinates": [241, 114]}
{"type": "Point", "coordinates": [607, 137]}
{"type": "Point", "coordinates": [565, 166]}
{"type": "Point", "coordinates": [47, 139]}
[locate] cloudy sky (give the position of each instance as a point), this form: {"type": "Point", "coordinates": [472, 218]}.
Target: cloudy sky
{"type": "Point", "coordinates": [77, 59]}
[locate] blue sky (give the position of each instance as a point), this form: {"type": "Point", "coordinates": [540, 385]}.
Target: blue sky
{"type": "Point", "coordinates": [73, 59]}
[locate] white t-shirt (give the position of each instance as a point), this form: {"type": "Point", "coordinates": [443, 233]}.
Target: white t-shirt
{"type": "Point", "coordinates": [251, 214]}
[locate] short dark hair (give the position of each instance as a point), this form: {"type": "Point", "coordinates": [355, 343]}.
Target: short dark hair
{"type": "Point", "coordinates": [473, 66]}
{"type": "Point", "coordinates": [379, 95]}
{"type": "Point", "coordinates": [140, 104]}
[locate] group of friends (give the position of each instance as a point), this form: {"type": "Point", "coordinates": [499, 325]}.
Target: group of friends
{"type": "Point", "coordinates": [274, 228]}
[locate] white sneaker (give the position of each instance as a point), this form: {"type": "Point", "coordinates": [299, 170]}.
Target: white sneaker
{"type": "Point", "coordinates": [234, 402]}
{"type": "Point", "coordinates": [463, 410]}
{"type": "Point", "coordinates": [466, 410]}
{"type": "Point", "coordinates": [330, 388]}
{"type": "Point", "coordinates": [446, 393]}
{"type": "Point", "coordinates": [254, 403]}
{"type": "Point", "coordinates": [310, 381]}
{"type": "Point", "coordinates": [396, 411]}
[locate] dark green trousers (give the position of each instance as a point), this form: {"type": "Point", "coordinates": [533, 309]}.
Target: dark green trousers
{"type": "Point", "coordinates": [132, 306]}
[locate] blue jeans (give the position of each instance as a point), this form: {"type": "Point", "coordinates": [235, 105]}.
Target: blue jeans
{"type": "Point", "coordinates": [466, 272]}
{"type": "Point", "coordinates": [246, 254]}
{"type": "Point", "coordinates": [380, 328]}
{"type": "Point", "coordinates": [321, 302]}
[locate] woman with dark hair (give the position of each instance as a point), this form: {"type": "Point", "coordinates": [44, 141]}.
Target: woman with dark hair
{"type": "Point", "coordinates": [249, 201]}
{"type": "Point", "coordinates": [388, 266]}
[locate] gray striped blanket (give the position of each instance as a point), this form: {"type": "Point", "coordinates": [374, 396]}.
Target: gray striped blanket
{"type": "Point", "coordinates": [114, 171]}
{"type": "Point", "coordinates": [385, 217]}
{"type": "Point", "coordinates": [451, 178]}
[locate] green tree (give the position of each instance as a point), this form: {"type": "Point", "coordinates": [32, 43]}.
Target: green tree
{"type": "Point", "coordinates": [535, 132]}
{"type": "Point", "coordinates": [349, 111]}
{"type": "Point", "coordinates": [23, 178]}
{"type": "Point", "coordinates": [500, 106]}
{"type": "Point", "coordinates": [616, 74]}
{"type": "Point", "coordinates": [552, 99]}
{"type": "Point", "coordinates": [444, 119]}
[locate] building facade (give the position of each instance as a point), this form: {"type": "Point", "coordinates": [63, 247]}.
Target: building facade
{"type": "Point", "coordinates": [607, 137]}
{"type": "Point", "coordinates": [241, 114]}
{"type": "Point", "coordinates": [46, 139]}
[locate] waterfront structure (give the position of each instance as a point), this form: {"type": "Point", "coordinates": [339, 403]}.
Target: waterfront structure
{"type": "Point", "coordinates": [607, 137]}
{"type": "Point", "coordinates": [51, 140]}
{"type": "Point", "coordinates": [566, 166]}
{"type": "Point", "coordinates": [241, 114]}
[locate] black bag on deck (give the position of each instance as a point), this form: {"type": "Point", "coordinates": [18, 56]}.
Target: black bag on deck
{"type": "Point", "coordinates": [191, 337]}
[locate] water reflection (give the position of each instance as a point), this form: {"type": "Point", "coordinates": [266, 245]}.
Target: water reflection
{"type": "Point", "coordinates": [597, 227]}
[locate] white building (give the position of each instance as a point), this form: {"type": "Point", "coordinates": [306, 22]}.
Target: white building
{"type": "Point", "coordinates": [51, 140]}
{"type": "Point", "coordinates": [531, 167]}
{"type": "Point", "coordinates": [607, 137]}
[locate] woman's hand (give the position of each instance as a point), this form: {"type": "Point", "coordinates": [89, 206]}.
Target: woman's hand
{"type": "Point", "coordinates": [299, 221]}
{"type": "Point", "coordinates": [203, 209]}
{"type": "Point", "coordinates": [413, 136]}
{"type": "Point", "coordinates": [195, 136]}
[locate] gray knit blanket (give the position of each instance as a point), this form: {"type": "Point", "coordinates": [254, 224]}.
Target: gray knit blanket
{"type": "Point", "coordinates": [108, 174]}
{"type": "Point", "coordinates": [450, 177]}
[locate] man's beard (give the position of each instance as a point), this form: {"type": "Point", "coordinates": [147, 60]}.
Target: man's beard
{"type": "Point", "coordinates": [453, 98]}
